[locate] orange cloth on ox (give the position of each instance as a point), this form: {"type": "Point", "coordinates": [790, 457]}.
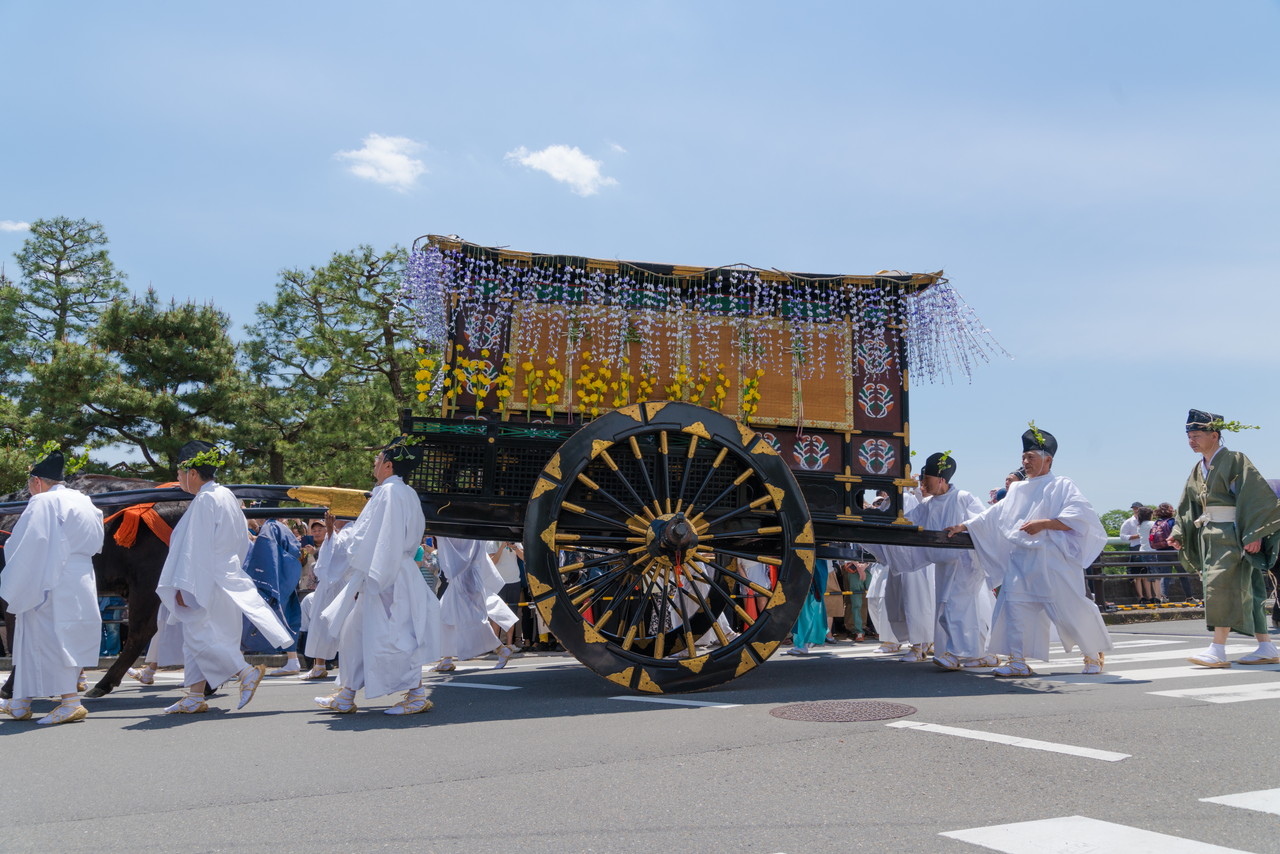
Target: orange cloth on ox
{"type": "Point", "coordinates": [127, 534]}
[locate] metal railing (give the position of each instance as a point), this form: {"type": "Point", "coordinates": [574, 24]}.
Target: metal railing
{"type": "Point", "coordinates": [1111, 578]}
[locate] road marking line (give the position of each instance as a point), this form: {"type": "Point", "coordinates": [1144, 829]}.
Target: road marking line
{"type": "Point", "coordinates": [1056, 648]}
{"type": "Point", "coordinates": [1013, 741]}
{"type": "Point", "coordinates": [1164, 654]}
{"type": "Point", "coordinates": [855, 652]}
{"type": "Point", "coordinates": [672, 702]}
{"type": "Point", "coordinates": [1226, 693]}
{"type": "Point", "coordinates": [1133, 643]}
{"type": "Point", "coordinates": [470, 685]}
{"type": "Point", "coordinates": [1154, 674]}
{"type": "Point", "coordinates": [513, 666]}
{"type": "Point", "coordinates": [1074, 834]}
{"type": "Point", "coordinates": [1265, 800]}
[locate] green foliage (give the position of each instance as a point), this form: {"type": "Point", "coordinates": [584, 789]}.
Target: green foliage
{"type": "Point", "coordinates": [13, 453]}
{"type": "Point", "coordinates": [67, 278]}
{"type": "Point", "coordinates": [1035, 432]}
{"type": "Point", "coordinates": [71, 463]}
{"type": "Point", "coordinates": [12, 334]}
{"type": "Point", "coordinates": [332, 364]}
{"type": "Point", "coordinates": [215, 457]}
{"type": "Point", "coordinates": [150, 378]}
{"type": "Point", "coordinates": [1113, 519]}
{"type": "Point", "coordinates": [1231, 426]}
{"type": "Point", "coordinates": [310, 396]}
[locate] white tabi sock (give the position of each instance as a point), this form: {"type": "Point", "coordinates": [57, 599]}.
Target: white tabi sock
{"type": "Point", "coordinates": [1218, 650]}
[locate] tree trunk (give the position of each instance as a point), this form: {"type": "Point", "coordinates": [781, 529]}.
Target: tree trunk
{"type": "Point", "coordinates": [275, 465]}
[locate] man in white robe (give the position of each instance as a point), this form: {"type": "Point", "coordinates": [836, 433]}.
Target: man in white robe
{"type": "Point", "coordinates": [892, 632]}
{"type": "Point", "coordinates": [1037, 542]}
{"type": "Point", "coordinates": [49, 584]}
{"type": "Point", "coordinates": [903, 598]}
{"type": "Point", "coordinates": [331, 574]}
{"type": "Point", "coordinates": [204, 586]}
{"type": "Point", "coordinates": [962, 596]}
{"type": "Point", "coordinates": [386, 619]}
{"type": "Point", "coordinates": [470, 607]}
{"type": "Point", "coordinates": [165, 649]}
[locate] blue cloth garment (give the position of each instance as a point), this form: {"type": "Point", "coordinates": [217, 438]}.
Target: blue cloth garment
{"type": "Point", "coordinates": [811, 625]}
{"type": "Point", "coordinates": [275, 565]}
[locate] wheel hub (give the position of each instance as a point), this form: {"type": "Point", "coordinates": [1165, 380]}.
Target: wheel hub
{"type": "Point", "coordinates": [670, 535]}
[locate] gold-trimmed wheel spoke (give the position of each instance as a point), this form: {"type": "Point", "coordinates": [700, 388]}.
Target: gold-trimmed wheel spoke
{"type": "Point", "coordinates": [599, 517]}
{"type": "Point", "coordinates": [575, 591]}
{"type": "Point", "coordinates": [769, 560]}
{"type": "Point", "coordinates": [710, 580]}
{"type": "Point", "coordinates": [652, 530]}
{"type": "Point", "coordinates": [630, 513]}
{"type": "Point", "coordinates": [644, 472]}
{"type": "Point", "coordinates": [711, 473]}
{"type": "Point", "coordinates": [617, 473]}
{"type": "Point", "coordinates": [688, 467]}
{"type": "Point", "coordinates": [733, 514]}
{"type": "Point", "coordinates": [730, 535]}
{"type": "Point", "coordinates": [736, 576]}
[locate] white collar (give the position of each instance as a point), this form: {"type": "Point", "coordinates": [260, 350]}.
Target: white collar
{"type": "Point", "coordinates": [1204, 467]}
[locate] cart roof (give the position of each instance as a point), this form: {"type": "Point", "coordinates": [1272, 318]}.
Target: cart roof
{"type": "Point", "coordinates": [910, 282]}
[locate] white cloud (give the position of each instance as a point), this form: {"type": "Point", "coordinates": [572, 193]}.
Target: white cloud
{"type": "Point", "coordinates": [386, 160]}
{"type": "Point", "coordinates": [618, 149]}
{"type": "Point", "coordinates": [10, 225]}
{"type": "Point", "coordinates": [566, 164]}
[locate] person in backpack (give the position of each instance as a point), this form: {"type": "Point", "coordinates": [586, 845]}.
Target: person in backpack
{"type": "Point", "coordinates": [1148, 588]}
{"type": "Point", "coordinates": [1159, 539]}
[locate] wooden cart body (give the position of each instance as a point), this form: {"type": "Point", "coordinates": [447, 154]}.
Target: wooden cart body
{"type": "Point", "coordinates": [662, 425]}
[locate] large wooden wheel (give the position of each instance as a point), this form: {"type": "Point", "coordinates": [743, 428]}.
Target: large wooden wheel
{"type": "Point", "coordinates": [634, 541]}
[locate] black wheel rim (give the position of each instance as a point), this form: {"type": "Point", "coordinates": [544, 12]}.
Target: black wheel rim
{"type": "Point", "coordinates": [659, 504]}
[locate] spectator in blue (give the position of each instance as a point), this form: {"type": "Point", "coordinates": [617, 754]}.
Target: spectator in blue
{"type": "Point", "coordinates": [1018, 474]}
{"type": "Point", "coordinates": [810, 629]}
{"type": "Point", "coordinates": [275, 565]}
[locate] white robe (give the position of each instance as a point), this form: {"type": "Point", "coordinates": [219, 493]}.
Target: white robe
{"type": "Point", "coordinates": [385, 617]}
{"type": "Point", "coordinates": [165, 649]}
{"type": "Point", "coordinates": [331, 572]}
{"type": "Point", "coordinates": [49, 584]}
{"type": "Point", "coordinates": [889, 629]}
{"type": "Point", "coordinates": [904, 597]}
{"type": "Point", "coordinates": [206, 553]}
{"type": "Point", "coordinates": [471, 600]}
{"type": "Point", "coordinates": [962, 597]}
{"type": "Point", "coordinates": [1041, 577]}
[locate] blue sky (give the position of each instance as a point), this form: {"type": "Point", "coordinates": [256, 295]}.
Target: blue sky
{"type": "Point", "coordinates": [1098, 179]}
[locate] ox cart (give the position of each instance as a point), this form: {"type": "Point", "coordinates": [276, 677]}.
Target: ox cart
{"type": "Point", "coordinates": [671, 443]}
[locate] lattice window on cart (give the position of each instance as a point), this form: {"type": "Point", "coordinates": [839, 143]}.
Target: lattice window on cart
{"type": "Point", "coordinates": [450, 469]}
{"type": "Point", "coordinates": [517, 470]}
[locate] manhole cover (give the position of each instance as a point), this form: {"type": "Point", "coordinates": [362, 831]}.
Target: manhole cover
{"type": "Point", "coordinates": [839, 711]}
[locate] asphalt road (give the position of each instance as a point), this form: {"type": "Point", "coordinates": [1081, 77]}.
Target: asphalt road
{"type": "Point", "coordinates": [558, 764]}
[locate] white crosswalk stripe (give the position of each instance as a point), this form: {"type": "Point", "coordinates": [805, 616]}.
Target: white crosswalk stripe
{"type": "Point", "coordinates": [1166, 654]}
{"type": "Point", "coordinates": [1075, 834]}
{"type": "Point", "coordinates": [1266, 800]}
{"type": "Point", "coordinates": [1012, 740]}
{"type": "Point", "coordinates": [1155, 674]}
{"type": "Point", "coordinates": [1118, 672]}
{"type": "Point", "coordinates": [1226, 693]}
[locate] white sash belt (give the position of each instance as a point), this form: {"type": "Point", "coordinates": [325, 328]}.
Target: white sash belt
{"type": "Point", "coordinates": [1216, 513]}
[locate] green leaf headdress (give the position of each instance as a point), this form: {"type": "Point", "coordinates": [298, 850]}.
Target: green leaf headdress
{"type": "Point", "coordinates": [48, 461]}
{"type": "Point", "coordinates": [196, 454]}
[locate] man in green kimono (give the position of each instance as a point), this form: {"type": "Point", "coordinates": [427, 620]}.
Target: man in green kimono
{"type": "Point", "coordinates": [1227, 529]}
